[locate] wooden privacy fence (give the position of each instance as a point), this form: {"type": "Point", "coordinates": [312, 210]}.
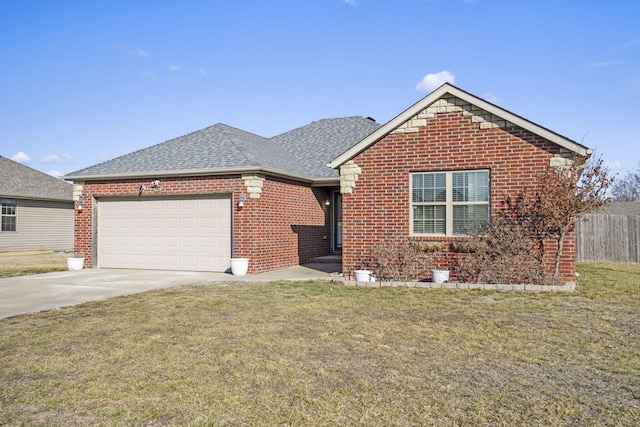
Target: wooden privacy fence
{"type": "Point", "coordinates": [608, 238]}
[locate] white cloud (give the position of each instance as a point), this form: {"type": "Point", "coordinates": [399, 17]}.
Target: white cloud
{"type": "Point", "coordinates": [21, 157]}
{"type": "Point", "coordinates": [202, 71]}
{"type": "Point", "coordinates": [55, 173]}
{"type": "Point", "coordinates": [491, 98]}
{"type": "Point", "coordinates": [149, 73]}
{"type": "Point", "coordinates": [55, 158]}
{"type": "Point", "coordinates": [141, 53]}
{"type": "Point", "coordinates": [613, 165]}
{"type": "Point", "coordinates": [350, 2]}
{"type": "Point", "coordinates": [174, 67]}
{"type": "Point", "coordinates": [434, 81]}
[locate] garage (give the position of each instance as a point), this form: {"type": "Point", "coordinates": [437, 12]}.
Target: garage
{"type": "Point", "coordinates": [181, 233]}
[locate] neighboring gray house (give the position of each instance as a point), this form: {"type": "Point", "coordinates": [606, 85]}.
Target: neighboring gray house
{"type": "Point", "coordinates": [36, 210]}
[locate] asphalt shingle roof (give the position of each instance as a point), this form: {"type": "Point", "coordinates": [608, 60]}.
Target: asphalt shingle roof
{"type": "Point", "coordinates": [304, 151]}
{"type": "Point", "coordinates": [316, 144]}
{"type": "Point", "coordinates": [22, 182]}
{"type": "Point", "coordinates": [215, 147]}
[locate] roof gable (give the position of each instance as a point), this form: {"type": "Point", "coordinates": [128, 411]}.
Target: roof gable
{"type": "Point", "coordinates": [448, 98]}
{"type": "Point", "coordinates": [22, 182]}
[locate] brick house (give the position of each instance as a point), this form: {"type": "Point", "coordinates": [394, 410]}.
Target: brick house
{"type": "Point", "coordinates": [450, 142]}
{"type": "Point", "coordinates": [193, 202]}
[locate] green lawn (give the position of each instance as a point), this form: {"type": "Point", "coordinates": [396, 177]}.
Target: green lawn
{"type": "Point", "coordinates": [318, 353]}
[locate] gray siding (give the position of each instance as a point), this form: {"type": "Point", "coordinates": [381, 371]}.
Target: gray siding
{"type": "Point", "coordinates": [41, 225]}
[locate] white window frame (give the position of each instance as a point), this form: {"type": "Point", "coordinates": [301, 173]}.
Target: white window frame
{"type": "Point", "coordinates": [6, 204]}
{"type": "Point", "coordinates": [448, 203]}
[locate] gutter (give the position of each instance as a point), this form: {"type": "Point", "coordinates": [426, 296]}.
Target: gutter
{"type": "Point", "coordinates": [324, 181]}
{"type": "Point", "coordinates": [36, 198]}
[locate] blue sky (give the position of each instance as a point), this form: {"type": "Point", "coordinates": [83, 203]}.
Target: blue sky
{"type": "Point", "coordinates": [82, 82]}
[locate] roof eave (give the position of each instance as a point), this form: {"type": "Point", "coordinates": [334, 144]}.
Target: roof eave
{"type": "Point", "coordinates": [447, 88]}
{"type": "Point", "coordinates": [201, 172]}
{"type": "Point", "coordinates": [333, 181]}
{"type": "Point", "coordinates": [37, 198]}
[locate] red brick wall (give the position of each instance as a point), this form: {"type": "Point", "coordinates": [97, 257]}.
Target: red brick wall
{"type": "Point", "coordinates": [284, 227]}
{"type": "Point", "coordinates": [378, 208]}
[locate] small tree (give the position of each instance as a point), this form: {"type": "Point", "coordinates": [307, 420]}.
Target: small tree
{"type": "Point", "coordinates": [627, 188]}
{"type": "Point", "coordinates": [566, 193]}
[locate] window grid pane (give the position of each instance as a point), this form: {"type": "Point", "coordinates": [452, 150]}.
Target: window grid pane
{"type": "Point", "coordinates": [429, 219]}
{"type": "Point", "coordinates": [8, 223]}
{"type": "Point", "coordinates": [8, 215]}
{"type": "Point", "coordinates": [429, 188]}
{"type": "Point", "coordinates": [470, 219]}
{"type": "Point", "coordinates": [471, 186]}
{"type": "Point", "coordinates": [467, 207]}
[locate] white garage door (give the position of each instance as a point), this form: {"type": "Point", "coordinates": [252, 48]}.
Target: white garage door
{"type": "Point", "coordinates": [165, 234]}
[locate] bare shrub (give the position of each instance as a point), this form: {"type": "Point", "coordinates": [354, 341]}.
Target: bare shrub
{"type": "Point", "coordinates": [428, 247]}
{"type": "Point", "coordinates": [399, 260]}
{"type": "Point", "coordinates": [506, 252]}
{"type": "Point", "coordinates": [469, 246]}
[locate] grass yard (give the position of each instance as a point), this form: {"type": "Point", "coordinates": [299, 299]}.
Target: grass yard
{"type": "Point", "coordinates": [296, 354]}
{"type": "Point", "coordinates": [25, 263]}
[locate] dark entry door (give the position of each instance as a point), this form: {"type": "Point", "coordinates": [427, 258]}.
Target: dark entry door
{"type": "Point", "coordinates": [337, 221]}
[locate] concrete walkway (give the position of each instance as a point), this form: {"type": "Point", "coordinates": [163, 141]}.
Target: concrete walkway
{"type": "Point", "coordinates": [29, 294]}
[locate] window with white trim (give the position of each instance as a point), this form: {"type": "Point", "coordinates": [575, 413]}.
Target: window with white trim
{"type": "Point", "coordinates": [449, 203]}
{"type": "Point", "coordinates": [8, 213]}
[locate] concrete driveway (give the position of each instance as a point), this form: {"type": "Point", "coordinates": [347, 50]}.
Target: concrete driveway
{"type": "Point", "coordinates": [29, 294]}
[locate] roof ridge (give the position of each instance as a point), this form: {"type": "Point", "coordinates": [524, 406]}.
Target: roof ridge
{"type": "Point", "coordinates": [318, 121]}
{"type": "Point", "coordinates": [218, 125]}
{"type": "Point", "coordinates": [244, 149]}
{"type": "Point", "coordinates": [300, 152]}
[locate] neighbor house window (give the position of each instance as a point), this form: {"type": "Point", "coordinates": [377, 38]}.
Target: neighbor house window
{"type": "Point", "coordinates": [9, 215]}
{"type": "Point", "coordinates": [449, 203]}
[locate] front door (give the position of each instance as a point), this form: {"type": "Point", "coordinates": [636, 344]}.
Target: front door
{"type": "Point", "coordinates": [337, 222]}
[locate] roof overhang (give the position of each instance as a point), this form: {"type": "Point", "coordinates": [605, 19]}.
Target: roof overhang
{"type": "Point", "coordinates": [448, 89]}
{"type": "Point", "coordinates": [36, 198]}
{"type": "Point", "coordinates": [326, 182]}
{"type": "Point", "coordinates": [323, 181]}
